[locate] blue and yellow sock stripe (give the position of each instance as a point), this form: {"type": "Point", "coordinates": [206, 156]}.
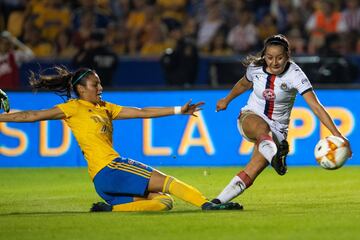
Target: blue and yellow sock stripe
{"type": "Point", "coordinates": [130, 168]}
{"type": "Point", "coordinates": [166, 185]}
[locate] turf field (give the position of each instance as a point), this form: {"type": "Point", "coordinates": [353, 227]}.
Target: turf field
{"type": "Point", "coordinates": [307, 203]}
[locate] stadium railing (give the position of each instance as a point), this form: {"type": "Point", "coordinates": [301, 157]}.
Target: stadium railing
{"type": "Point", "coordinates": [214, 72]}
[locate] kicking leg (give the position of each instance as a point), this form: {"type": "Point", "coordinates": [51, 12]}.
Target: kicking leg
{"type": "Point", "coordinates": [257, 130]}
{"type": "Point", "coordinates": [160, 182]}
{"type": "Point", "coordinates": [244, 179]}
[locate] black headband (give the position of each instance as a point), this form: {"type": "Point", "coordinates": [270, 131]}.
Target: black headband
{"type": "Point", "coordinates": [81, 76]}
{"type": "Point", "coordinates": [277, 40]}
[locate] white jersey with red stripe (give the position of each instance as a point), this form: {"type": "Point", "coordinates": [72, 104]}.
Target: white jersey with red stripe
{"type": "Point", "coordinates": [273, 96]}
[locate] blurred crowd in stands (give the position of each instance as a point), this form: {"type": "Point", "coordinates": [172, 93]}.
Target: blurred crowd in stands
{"type": "Point", "coordinates": [94, 33]}
{"type": "Point", "coordinates": [62, 28]}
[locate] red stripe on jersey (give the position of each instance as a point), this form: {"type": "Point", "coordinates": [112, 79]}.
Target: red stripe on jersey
{"type": "Point", "coordinates": [272, 102]}
{"type": "Point", "coordinates": [270, 96]}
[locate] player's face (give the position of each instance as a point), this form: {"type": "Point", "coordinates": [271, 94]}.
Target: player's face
{"type": "Point", "coordinates": [276, 59]}
{"type": "Point", "coordinates": [93, 89]}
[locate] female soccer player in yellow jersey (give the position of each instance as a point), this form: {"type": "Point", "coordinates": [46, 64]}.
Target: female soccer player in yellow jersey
{"type": "Point", "coordinates": [124, 184]}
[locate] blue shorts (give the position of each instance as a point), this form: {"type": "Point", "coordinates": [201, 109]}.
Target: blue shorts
{"type": "Point", "coordinates": [122, 180]}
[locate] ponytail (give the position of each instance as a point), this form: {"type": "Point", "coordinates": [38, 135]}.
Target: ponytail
{"type": "Point", "coordinates": [62, 83]}
{"type": "Point", "coordinates": [257, 60]}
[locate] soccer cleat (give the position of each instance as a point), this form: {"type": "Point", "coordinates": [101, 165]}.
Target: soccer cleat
{"type": "Point", "coordinates": [100, 207]}
{"type": "Point", "coordinates": [279, 160]}
{"type": "Point", "coordinates": [209, 206]}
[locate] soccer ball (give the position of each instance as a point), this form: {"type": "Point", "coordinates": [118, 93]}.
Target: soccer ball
{"type": "Point", "coordinates": [331, 152]}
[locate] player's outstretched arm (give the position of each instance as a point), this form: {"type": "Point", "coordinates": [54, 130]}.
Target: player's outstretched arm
{"type": "Point", "coordinates": [33, 116]}
{"type": "Point", "coordinates": [240, 87]}
{"type": "Point", "coordinates": [27, 116]}
{"type": "Point", "coordinates": [153, 112]}
{"type": "Point", "coordinates": [319, 110]}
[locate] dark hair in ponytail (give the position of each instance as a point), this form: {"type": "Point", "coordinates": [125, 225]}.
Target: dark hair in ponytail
{"type": "Point", "coordinates": [63, 82]}
{"type": "Point", "coordinates": [258, 59]}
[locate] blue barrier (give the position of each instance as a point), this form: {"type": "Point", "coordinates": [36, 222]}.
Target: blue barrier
{"type": "Point", "coordinates": [209, 140]}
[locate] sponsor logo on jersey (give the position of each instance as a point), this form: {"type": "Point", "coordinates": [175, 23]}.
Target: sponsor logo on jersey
{"type": "Point", "coordinates": [269, 94]}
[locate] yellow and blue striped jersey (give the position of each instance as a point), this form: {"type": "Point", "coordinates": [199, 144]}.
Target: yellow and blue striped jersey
{"type": "Point", "coordinates": [92, 127]}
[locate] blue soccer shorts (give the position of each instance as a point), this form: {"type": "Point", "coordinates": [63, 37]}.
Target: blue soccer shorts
{"type": "Point", "coordinates": [122, 180]}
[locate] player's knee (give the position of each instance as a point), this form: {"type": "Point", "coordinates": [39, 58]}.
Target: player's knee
{"type": "Point", "coordinates": [257, 130]}
{"type": "Point", "coordinates": [264, 137]}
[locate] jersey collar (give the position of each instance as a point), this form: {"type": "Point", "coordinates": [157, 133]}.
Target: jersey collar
{"type": "Point", "coordinates": [87, 103]}
{"type": "Point", "coordinates": [285, 69]}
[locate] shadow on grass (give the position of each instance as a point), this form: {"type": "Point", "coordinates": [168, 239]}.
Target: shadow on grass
{"type": "Point", "coordinates": [175, 212]}
{"type": "Point", "coordinates": [40, 213]}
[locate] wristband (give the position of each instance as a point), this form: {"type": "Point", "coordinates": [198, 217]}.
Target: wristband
{"type": "Point", "coordinates": [177, 110]}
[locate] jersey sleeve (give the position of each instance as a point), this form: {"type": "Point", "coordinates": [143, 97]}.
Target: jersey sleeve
{"type": "Point", "coordinates": [69, 108]}
{"type": "Point", "coordinates": [114, 109]}
{"type": "Point", "coordinates": [302, 83]}
{"type": "Point", "coordinates": [249, 73]}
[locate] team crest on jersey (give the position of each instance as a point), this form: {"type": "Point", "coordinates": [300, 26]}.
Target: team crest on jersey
{"type": "Point", "coordinates": [283, 86]}
{"type": "Point", "coordinates": [269, 94]}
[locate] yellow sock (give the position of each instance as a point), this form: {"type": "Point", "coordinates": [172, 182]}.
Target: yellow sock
{"type": "Point", "coordinates": [159, 203]}
{"type": "Point", "coordinates": [184, 191]}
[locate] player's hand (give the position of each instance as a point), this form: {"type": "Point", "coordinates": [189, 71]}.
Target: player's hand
{"type": "Point", "coordinates": [4, 101]}
{"type": "Point", "coordinates": [221, 105]}
{"type": "Point", "coordinates": [190, 109]}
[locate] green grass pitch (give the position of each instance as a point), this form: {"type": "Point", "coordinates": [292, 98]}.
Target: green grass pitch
{"type": "Point", "coordinates": [306, 203]}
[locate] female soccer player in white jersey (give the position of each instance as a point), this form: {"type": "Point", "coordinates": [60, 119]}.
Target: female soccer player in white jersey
{"type": "Point", "coordinates": [275, 80]}
{"type": "Point", "coordinates": [124, 184]}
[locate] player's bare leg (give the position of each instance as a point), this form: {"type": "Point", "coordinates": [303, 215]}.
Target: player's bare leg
{"type": "Point", "coordinates": [243, 179]}
{"type": "Point", "coordinates": [256, 128]}
{"type": "Point", "coordinates": [270, 147]}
